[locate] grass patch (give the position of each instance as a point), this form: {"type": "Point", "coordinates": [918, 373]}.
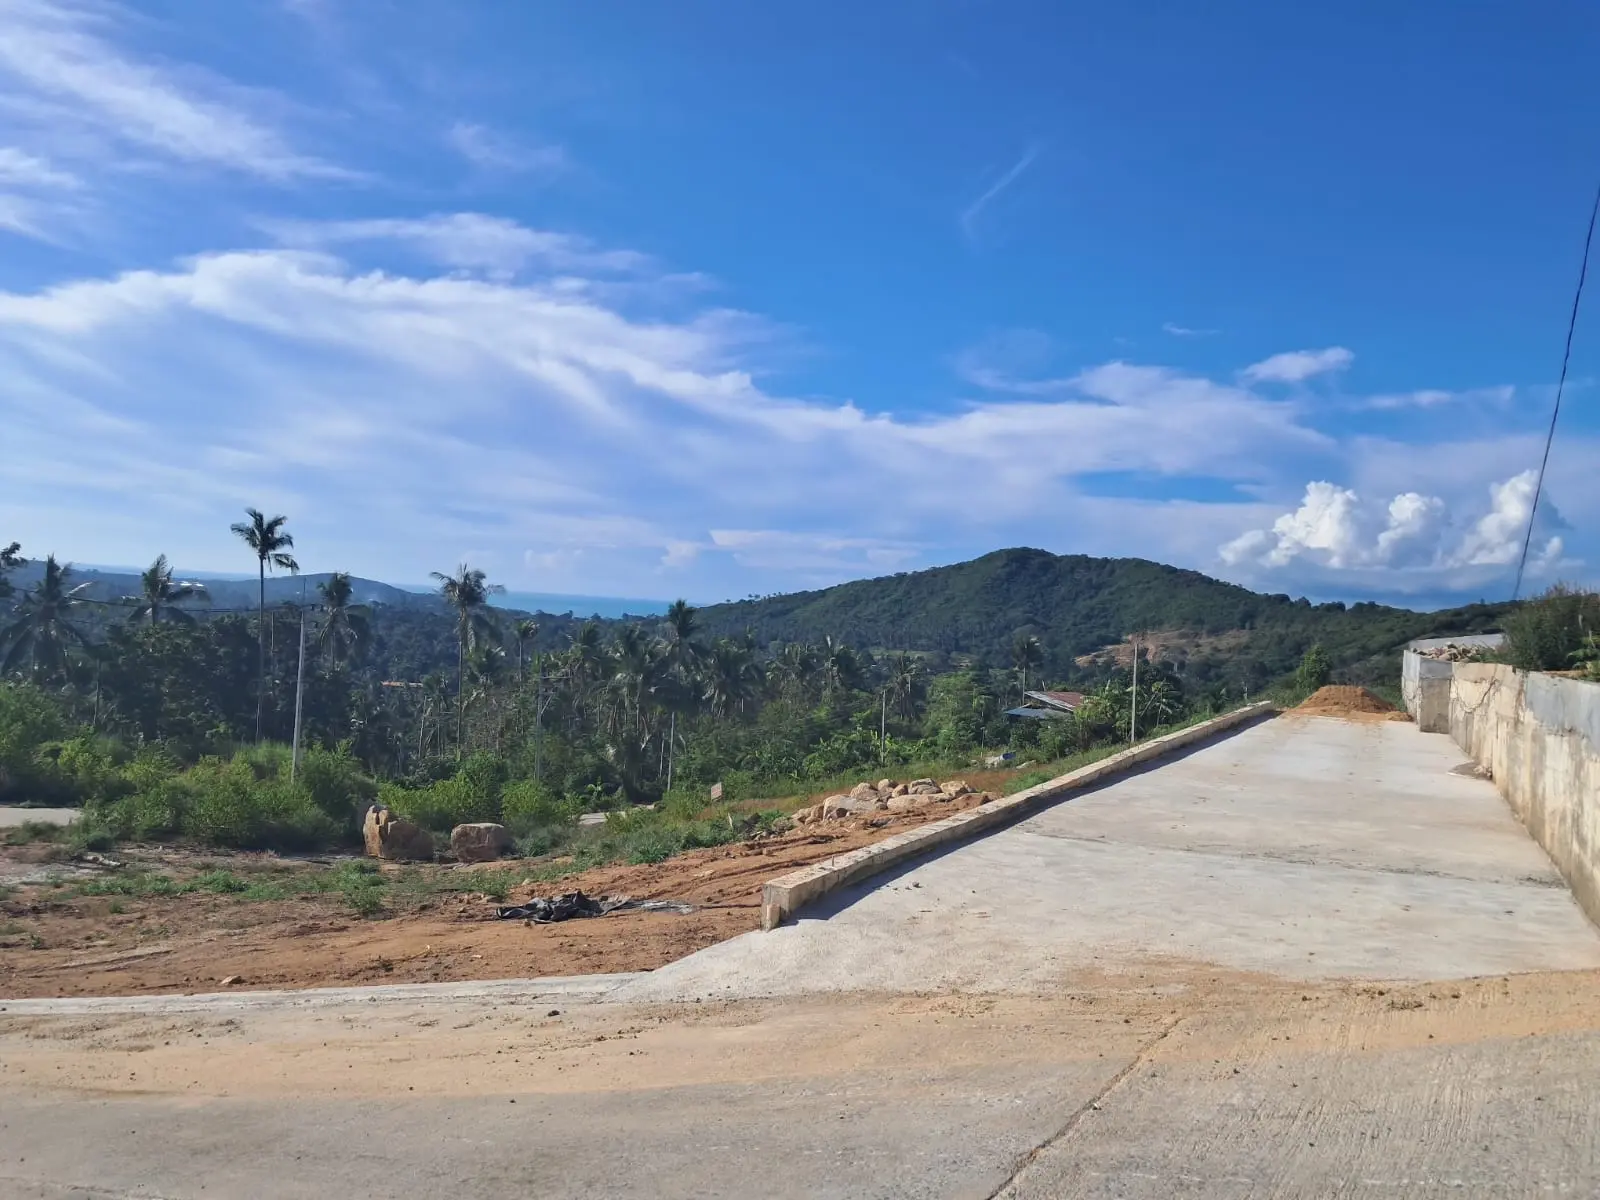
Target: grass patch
{"type": "Point", "coordinates": [30, 832]}
{"type": "Point", "coordinates": [496, 885]}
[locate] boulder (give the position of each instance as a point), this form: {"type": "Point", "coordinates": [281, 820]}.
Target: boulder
{"type": "Point", "coordinates": [906, 803]}
{"type": "Point", "coordinates": [480, 841]}
{"type": "Point", "coordinates": [807, 815]}
{"type": "Point", "coordinates": [899, 789]}
{"type": "Point", "coordinates": [394, 838]}
{"type": "Point", "coordinates": [954, 787]}
{"type": "Point", "coordinates": [924, 787]}
{"type": "Point", "coordinates": [864, 791]}
{"type": "Point", "coordinates": [836, 808]}
{"type": "Point", "coordinates": [885, 786]}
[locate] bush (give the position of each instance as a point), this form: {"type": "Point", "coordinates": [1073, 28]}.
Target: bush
{"type": "Point", "coordinates": [1544, 633]}
{"type": "Point", "coordinates": [1315, 669]}
{"type": "Point", "coordinates": [528, 804]}
{"type": "Point", "coordinates": [336, 784]}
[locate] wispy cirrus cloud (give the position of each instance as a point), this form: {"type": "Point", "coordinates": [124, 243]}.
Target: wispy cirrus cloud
{"type": "Point", "coordinates": [489, 150]}
{"type": "Point", "coordinates": [1184, 331]}
{"type": "Point", "coordinates": [64, 73]}
{"type": "Point", "coordinates": [1007, 178]}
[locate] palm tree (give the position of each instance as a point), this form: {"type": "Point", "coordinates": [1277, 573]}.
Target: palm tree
{"type": "Point", "coordinates": [841, 669]}
{"type": "Point", "coordinates": [346, 627]}
{"type": "Point", "coordinates": [468, 592]}
{"type": "Point", "coordinates": [904, 686]}
{"type": "Point", "coordinates": [731, 679]}
{"type": "Point", "coordinates": [798, 665]}
{"type": "Point", "coordinates": [159, 597]}
{"type": "Point", "coordinates": [523, 632]}
{"type": "Point", "coordinates": [10, 560]}
{"type": "Point", "coordinates": [271, 543]}
{"type": "Point", "coordinates": [44, 629]}
{"type": "Point", "coordinates": [1026, 653]}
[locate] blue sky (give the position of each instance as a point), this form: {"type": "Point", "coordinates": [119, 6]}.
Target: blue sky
{"type": "Point", "coordinates": [711, 299]}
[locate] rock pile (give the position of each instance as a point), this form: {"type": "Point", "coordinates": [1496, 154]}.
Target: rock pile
{"type": "Point", "coordinates": [887, 796]}
{"type": "Point", "coordinates": [1455, 653]}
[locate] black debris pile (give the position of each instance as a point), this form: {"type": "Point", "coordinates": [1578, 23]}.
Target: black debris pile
{"type": "Point", "coordinates": [543, 910]}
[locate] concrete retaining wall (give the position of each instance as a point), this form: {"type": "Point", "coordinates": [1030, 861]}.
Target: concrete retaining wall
{"type": "Point", "coordinates": [1425, 689]}
{"type": "Point", "coordinates": [781, 898]}
{"type": "Point", "coordinates": [1539, 737]}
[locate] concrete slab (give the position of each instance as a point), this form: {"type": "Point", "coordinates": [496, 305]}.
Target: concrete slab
{"type": "Point", "coordinates": [12, 815]}
{"type": "Point", "coordinates": [1308, 848]}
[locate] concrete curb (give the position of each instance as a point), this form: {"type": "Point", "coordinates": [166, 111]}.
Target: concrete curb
{"type": "Point", "coordinates": [781, 898]}
{"type": "Point", "coordinates": [570, 988]}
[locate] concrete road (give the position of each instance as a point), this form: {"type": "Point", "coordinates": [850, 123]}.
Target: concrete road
{"type": "Point", "coordinates": [1182, 984]}
{"type": "Point", "coordinates": [1307, 848]}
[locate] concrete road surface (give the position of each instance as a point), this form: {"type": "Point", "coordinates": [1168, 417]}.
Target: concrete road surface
{"type": "Point", "coordinates": [1313, 959]}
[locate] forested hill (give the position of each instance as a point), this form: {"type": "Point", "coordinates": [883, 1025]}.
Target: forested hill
{"type": "Point", "coordinates": [1076, 605]}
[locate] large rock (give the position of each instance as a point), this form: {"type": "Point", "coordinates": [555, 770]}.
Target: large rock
{"type": "Point", "coordinates": [885, 786]}
{"type": "Point", "coordinates": [836, 808]}
{"type": "Point", "coordinates": [906, 803]}
{"type": "Point", "coordinates": [864, 791]}
{"type": "Point", "coordinates": [924, 787]}
{"type": "Point", "coordinates": [954, 787]}
{"type": "Point", "coordinates": [481, 841]}
{"type": "Point", "coordinates": [395, 838]}
{"type": "Point", "coordinates": [807, 815]}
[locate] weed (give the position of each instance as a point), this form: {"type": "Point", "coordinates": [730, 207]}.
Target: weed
{"type": "Point", "coordinates": [116, 908]}
{"type": "Point", "coordinates": [494, 884]}
{"type": "Point", "coordinates": [36, 831]}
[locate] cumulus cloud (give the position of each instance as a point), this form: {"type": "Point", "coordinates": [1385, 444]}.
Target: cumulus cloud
{"type": "Point", "coordinates": [1296, 366]}
{"type": "Point", "coordinates": [1335, 528]}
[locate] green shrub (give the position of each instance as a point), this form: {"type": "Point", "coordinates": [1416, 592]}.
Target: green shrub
{"type": "Point", "coordinates": [336, 783]}
{"type": "Point", "coordinates": [1544, 633]}
{"type": "Point", "coordinates": [528, 804]}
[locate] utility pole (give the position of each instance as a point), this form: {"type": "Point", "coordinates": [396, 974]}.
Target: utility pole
{"type": "Point", "coordinates": [299, 688]}
{"type": "Point", "coordinates": [538, 717]}
{"type": "Point", "coordinates": [883, 727]}
{"type": "Point", "coordinates": [1133, 706]}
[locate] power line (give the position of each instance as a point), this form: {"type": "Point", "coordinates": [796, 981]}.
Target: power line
{"type": "Point", "coordinates": [1561, 384]}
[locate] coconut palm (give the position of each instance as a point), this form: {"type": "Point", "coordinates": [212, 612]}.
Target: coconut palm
{"type": "Point", "coordinates": [797, 664]}
{"type": "Point", "coordinates": [468, 592]}
{"type": "Point", "coordinates": [730, 679]}
{"type": "Point", "coordinates": [523, 633]}
{"type": "Point", "coordinates": [44, 629]}
{"type": "Point", "coordinates": [904, 686]}
{"type": "Point", "coordinates": [10, 560]}
{"type": "Point", "coordinates": [271, 542]}
{"type": "Point", "coordinates": [346, 627]}
{"type": "Point", "coordinates": [840, 668]}
{"type": "Point", "coordinates": [1026, 653]}
{"type": "Point", "coordinates": [159, 596]}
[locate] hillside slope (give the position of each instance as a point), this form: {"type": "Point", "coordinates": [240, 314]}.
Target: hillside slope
{"type": "Point", "coordinates": [1076, 605]}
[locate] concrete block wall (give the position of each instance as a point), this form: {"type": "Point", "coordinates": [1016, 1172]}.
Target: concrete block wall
{"type": "Point", "coordinates": [1425, 690]}
{"type": "Point", "coordinates": [1539, 738]}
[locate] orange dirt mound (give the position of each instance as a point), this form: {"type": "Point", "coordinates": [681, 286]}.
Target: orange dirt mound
{"type": "Point", "coordinates": [1342, 701]}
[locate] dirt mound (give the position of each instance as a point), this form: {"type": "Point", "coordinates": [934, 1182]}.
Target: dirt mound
{"type": "Point", "coordinates": [1337, 700]}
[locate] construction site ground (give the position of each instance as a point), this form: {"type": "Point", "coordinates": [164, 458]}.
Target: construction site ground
{"type": "Point", "coordinates": [1316, 958]}
{"type": "Point", "coordinates": [54, 942]}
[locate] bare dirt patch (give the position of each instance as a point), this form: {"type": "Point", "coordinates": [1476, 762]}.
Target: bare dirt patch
{"type": "Point", "coordinates": [1350, 703]}
{"type": "Point", "coordinates": [55, 942]}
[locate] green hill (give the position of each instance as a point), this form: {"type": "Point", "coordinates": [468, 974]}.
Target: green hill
{"type": "Point", "coordinates": [1076, 605]}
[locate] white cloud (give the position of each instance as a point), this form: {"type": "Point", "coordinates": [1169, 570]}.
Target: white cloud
{"type": "Point", "coordinates": [67, 76]}
{"type": "Point", "coordinates": [1334, 528]}
{"type": "Point", "coordinates": [970, 214]}
{"type": "Point", "coordinates": [488, 150]}
{"type": "Point", "coordinates": [1425, 398]}
{"type": "Point", "coordinates": [471, 241]}
{"type": "Point", "coordinates": [1296, 366]}
{"type": "Point", "coordinates": [18, 167]}
{"type": "Point", "coordinates": [503, 401]}
{"type": "Point", "coordinates": [1184, 331]}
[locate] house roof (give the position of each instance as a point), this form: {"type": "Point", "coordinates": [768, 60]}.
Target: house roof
{"type": "Point", "coordinates": [1031, 713]}
{"type": "Point", "coordinates": [1066, 701]}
